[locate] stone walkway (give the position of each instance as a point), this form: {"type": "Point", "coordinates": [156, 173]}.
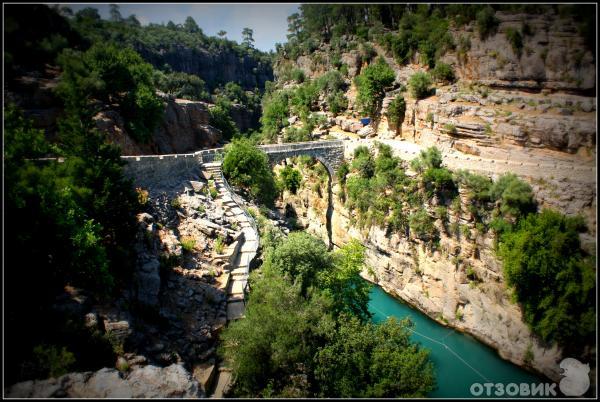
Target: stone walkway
{"type": "Point", "coordinates": [240, 269]}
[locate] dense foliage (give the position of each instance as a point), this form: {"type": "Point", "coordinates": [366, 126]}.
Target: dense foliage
{"type": "Point", "coordinates": [113, 76]}
{"type": "Point", "coordinates": [306, 331]}
{"type": "Point", "coordinates": [371, 84]}
{"type": "Point", "coordinates": [395, 112]}
{"type": "Point", "coordinates": [181, 85]}
{"type": "Point", "coordinates": [247, 166]}
{"type": "Point", "coordinates": [419, 84]}
{"type": "Point", "coordinates": [74, 223]}
{"type": "Point", "coordinates": [290, 179]}
{"type": "Point", "coordinates": [553, 279]}
{"type": "Point", "coordinates": [301, 101]}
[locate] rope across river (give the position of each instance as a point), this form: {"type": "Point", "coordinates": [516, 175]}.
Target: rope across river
{"type": "Point", "coordinates": [448, 348]}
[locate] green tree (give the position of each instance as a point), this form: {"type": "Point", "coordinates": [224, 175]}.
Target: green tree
{"type": "Point", "coordinates": [300, 258]}
{"type": "Point", "coordinates": [111, 75]}
{"type": "Point", "coordinates": [371, 84]}
{"type": "Point", "coordinates": [247, 38]}
{"type": "Point", "coordinates": [443, 72]}
{"type": "Point", "coordinates": [374, 361]}
{"type": "Point", "coordinates": [291, 178]}
{"type": "Point", "coordinates": [486, 22]}
{"type": "Point", "coordinates": [247, 166]}
{"type": "Point", "coordinates": [274, 344]}
{"type": "Point", "coordinates": [220, 117]}
{"type": "Point", "coordinates": [513, 195]}
{"type": "Point", "coordinates": [115, 14]}
{"type": "Point", "coordinates": [395, 112]}
{"type": "Point", "coordinates": [553, 279]}
{"type": "Point", "coordinates": [344, 283]}
{"type": "Point", "coordinates": [190, 26]}
{"type": "Point", "coordinates": [419, 84]}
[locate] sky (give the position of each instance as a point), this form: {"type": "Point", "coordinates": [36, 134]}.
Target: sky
{"type": "Point", "coordinates": [268, 20]}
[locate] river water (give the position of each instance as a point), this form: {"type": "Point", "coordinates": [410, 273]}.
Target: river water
{"type": "Point", "coordinates": [459, 359]}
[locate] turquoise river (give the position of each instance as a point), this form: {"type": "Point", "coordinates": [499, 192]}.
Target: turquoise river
{"type": "Point", "coordinates": [459, 359]}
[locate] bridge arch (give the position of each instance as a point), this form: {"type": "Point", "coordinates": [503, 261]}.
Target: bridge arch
{"type": "Point", "coordinates": [329, 153]}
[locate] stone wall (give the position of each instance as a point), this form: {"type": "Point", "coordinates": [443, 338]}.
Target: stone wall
{"type": "Point", "coordinates": [160, 171]}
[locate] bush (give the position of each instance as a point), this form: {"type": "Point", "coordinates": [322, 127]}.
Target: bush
{"type": "Point", "coordinates": [296, 134]}
{"type": "Point", "coordinates": [219, 245]}
{"type": "Point", "coordinates": [291, 179]}
{"type": "Point", "coordinates": [419, 84]}
{"type": "Point", "coordinates": [363, 162]}
{"type": "Point", "coordinates": [430, 158]}
{"type": "Point", "coordinates": [275, 112]}
{"type": "Point", "coordinates": [247, 166]}
{"type": "Point", "coordinates": [298, 75]}
{"type": "Point", "coordinates": [52, 361]}
{"type": "Point", "coordinates": [220, 118]}
{"type": "Point", "coordinates": [486, 22]}
{"type": "Point", "coordinates": [371, 84]}
{"type": "Point", "coordinates": [396, 111]}
{"type": "Point", "coordinates": [374, 361]}
{"type": "Point", "coordinates": [421, 225]}
{"type": "Point", "coordinates": [553, 279]}
{"type": "Point", "coordinates": [181, 85]}
{"type": "Point", "coordinates": [479, 186]}
{"type": "Point", "coordinates": [443, 72]}
{"type": "Point", "coordinates": [438, 180]}
{"type": "Point", "coordinates": [337, 103]}
{"type": "Point", "coordinates": [188, 244]}
{"type": "Point", "coordinates": [514, 196]}
{"type": "Point", "coordinates": [515, 39]}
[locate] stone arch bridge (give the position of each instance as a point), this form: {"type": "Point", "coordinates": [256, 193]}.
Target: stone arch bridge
{"type": "Point", "coordinates": [330, 153]}
{"type": "Point", "coordinates": [154, 170]}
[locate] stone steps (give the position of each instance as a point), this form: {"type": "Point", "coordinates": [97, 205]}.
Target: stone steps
{"type": "Point", "coordinates": [239, 268]}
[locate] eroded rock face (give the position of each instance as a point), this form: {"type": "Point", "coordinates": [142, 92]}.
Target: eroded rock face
{"type": "Point", "coordinates": [553, 57]}
{"type": "Point", "coordinates": [221, 66]}
{"type": "Point", "coordinates": [173, 381]}
{"type": "Point", "coordinates": [185, 128]}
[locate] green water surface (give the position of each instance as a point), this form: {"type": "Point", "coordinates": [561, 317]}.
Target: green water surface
{"type": "Point", "coordinates": [459, 359]}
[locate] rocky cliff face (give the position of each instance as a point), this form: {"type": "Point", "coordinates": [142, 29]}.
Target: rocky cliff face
{"type": "Point", "coordinates": [185, 128]}
{"type": "Point", "coordinates": [553, 56]}
{"type": "Point", "coordinates": [221, 66]}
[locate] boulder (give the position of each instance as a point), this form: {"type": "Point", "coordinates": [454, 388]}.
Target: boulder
{"type": "Point", "coordinates": [366, 131]}
{"type": "Point", "coordinates": [142, 382]}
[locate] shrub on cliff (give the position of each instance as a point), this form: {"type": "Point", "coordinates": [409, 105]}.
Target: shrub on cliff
{"type": "Point", "coordinates": [181, 85]}
{"type": "Point", "coordinates": [247, 166]}
{"type": "Point", "coordinates": [553, 279]}
{"type": "Point", "coordinates": [371, 84]}
{"type": "Point", "coordinates": [419, 84]}
{"type": "Point", "coordinates": [275, 112]}
{"type": "Point", "coordinates": [395, 112]}
{"type": "Point", "coordinates": [290, 178]}
{"type": "Point", "coordinates": [220, 117]}
{"type": "Point", "coordinates": [515, 39]}
{"type": "Point", "coordinates": [513, 196]}
{"type": "Point", "coordinates": [486, 22]}
{"type": "Point", "coordinates": [443, 72]}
